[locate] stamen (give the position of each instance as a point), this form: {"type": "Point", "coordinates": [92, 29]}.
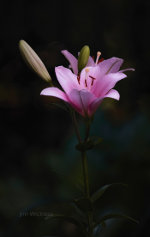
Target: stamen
{"type": "Point", "coordinates": [85, 82]}
{"type": "Point", "coordinates": [86, 75]}
{"type": "Point", "coordinates": [78, 78]}
{"type": "Point", "coordinates": [93, 78]}
{"type": "Point", "coordinates": [98, 55]}
{"type": "Point", "coordinates": [87, 70]}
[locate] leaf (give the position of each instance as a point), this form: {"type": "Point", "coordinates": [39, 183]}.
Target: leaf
{"type": "Point", "coordinates": [84, 204]}
{"type": "Point", "coordinates": [84, 146]}
{"type": "Point", "coordinates": [103, 224]}
{"type": "Point", "coordinates": [102, 190]}
{"type": "Point", "coordinates": [89, 144]}
{"type": "Point", "coordinates": [111, 216]}
{"type": "Point", "coordinates": [95, 140]}
{"type": "Point", "coordinates": [98, 228]}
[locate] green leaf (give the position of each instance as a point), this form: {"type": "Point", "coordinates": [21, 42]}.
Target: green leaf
{"type": "Point", "coordinates": [102, 190]}
{"type": "Point", "coordinates": [84, 146]}
{"type": "Point", "coordinates": [95, 140]}
{"type": "Point", "coordinates": [103, 224]}
{"type": "Point", "coordinates": [111, 216]}
{"type": "Point", "coordinates": [97, 228]}
{"type": "Point", "coordinates": [89, 144]}
{"type": "Point", "coordinates": [84, 204]}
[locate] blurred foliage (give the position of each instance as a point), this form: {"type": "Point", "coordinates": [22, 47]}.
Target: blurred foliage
{"type": "Point", "coordinates": [40, 168]}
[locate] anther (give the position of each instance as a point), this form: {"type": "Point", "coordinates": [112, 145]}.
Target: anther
{"type": "Point", "coordinates": [93, 78]}
{"type": "Point", "coordinates": [78, 78]}
{"type": "Point", "coordinates": [87, 70]}
{"type": "Point", "coordinates": [85, 82]}
{"type": "Point", "coordinates": [98, 56]}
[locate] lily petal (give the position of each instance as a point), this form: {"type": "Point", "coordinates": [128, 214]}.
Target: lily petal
{"type": "Point", "coordinates": [104, 84]}
{"type": "Point", "coordinates": [53, 91]}
{"type": "Point", "coordinates": [81, 100]}
{"type": "Point", "coordinates": [66, 78]}
{"type": "Point", "coordinates": [72, 60]}
{"type": "Point", "coordinates": [91, 62]}
{"type": "Point", "coordinates": [111, 65]}
{"type": "Point", "coordinates": [114, 94]}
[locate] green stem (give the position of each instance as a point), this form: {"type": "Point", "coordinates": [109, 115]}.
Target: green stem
{"type": "Point", "coordinates": [90, 213]}
{"type": "Point", "coordinates": [76, 126]}
{"type": "Point", "coordinates": [87, 192]}
{"type": "Point", "coordinates": [84, 168]}
{"type": "Point", "coordinates": [87, 123]}
{"type": "Point", "coordinates": [85, 174]}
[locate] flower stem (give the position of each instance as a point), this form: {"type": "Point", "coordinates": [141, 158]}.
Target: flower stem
{"type": "Point", "coordinates": [83, 155]}
{"type": "Point", "coordinates": [76, 126]}
{"type": "Point", "coordinates": [85, 174]}
{"type": "Point", "coordinates": [87, 192]}
{"type": "Point", "coordinates": [85, 169]}
{"type": "Point", "coordinates": [87, 189]}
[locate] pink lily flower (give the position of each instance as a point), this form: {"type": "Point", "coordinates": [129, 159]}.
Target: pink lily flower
{"type": "Point", "coordinates": [86, 91]}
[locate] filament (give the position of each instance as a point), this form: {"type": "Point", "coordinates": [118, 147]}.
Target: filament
{"type": "Point", "coordinates": [86, 75]}
{"type": "Point", "coordinates": [98, 56]}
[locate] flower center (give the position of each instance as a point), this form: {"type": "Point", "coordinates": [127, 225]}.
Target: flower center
{"type": "Point", "coordinates": [87, 71]}
{"type": "Point", "coordinates": [86, 77]}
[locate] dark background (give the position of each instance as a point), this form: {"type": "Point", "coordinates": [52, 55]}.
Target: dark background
{"type": "Point", "coordinates": [37, 153]}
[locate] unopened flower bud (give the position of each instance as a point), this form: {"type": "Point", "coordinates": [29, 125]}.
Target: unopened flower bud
{"type": "Point", "coordinates": [83, 57]}
{"type": "Point", "coordinates": [33, 61]}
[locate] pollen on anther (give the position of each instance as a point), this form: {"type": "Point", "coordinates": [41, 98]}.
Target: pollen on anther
{"type": "Point", "coordinates": [87, 70]}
